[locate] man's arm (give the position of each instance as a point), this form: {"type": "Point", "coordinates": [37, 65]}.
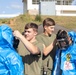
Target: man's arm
{"type": "Point", "coordinates": [31, 48]}
{"type": "Point", "coordinates": [49, 48]}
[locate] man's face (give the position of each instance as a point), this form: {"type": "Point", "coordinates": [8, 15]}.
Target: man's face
{"type": "Point", "coordinates": [30, 34]}
{"type": "Point", "coordinates": [49, 29]}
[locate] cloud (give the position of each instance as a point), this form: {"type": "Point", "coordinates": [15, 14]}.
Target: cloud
{"type": "Point", "coordinates": [8, 15]}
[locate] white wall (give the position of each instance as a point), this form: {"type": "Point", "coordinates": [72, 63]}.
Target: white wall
{"type": "Point", "coordinates": [61, 8]}
{"type": "Point", "coordinates": [32, 6]}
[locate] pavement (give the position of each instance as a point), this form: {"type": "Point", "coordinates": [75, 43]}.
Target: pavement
{"type": "Point", "coordinates": [57, 27]}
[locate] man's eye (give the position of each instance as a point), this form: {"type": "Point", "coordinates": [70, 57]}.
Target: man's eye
{"type": "Point", "coordinates": [27, 31]}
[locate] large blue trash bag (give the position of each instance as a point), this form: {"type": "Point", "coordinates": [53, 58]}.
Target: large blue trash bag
{"type": "Point", "coordinates": [68, 58]}
{"type": "Point", "coordinates": [10, 61]}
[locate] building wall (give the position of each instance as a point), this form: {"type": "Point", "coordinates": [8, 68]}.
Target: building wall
{"type": "Point", "coordinates": [47, 8]}
{"type": "Point", "coordinates": [65, 10]}
{"type": "Point", "coordinates": [61, 10]}
{"type": "Point", "coordinates": [30, 8]}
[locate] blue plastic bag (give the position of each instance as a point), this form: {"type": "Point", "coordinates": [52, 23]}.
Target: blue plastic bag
{"type": "Point", "coordinates": [10, 61]}
{"type": "Point", "coordinates": [68, 58]}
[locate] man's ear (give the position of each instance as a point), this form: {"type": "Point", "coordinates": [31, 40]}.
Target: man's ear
{"type": "Point", "coordinates": [45, 27]}
{"type": "Point", "coordinates": [36, 33]}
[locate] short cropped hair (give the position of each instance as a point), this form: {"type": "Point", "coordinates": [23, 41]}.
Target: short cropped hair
{"type": "Point", "coordinates": [48, 22]}
{"type": "Point", "coordinates": [32, 25]}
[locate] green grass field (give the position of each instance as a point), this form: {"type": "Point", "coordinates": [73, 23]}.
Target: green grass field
{"type": "Point", "coordinates": [20, 21]}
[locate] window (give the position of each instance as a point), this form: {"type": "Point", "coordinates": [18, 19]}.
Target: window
{"type": "Point", "coordinates": [66, 3]}
{"type": "Point", "coordinates": [58, 2]}
{"type": "Point", "coordinates": [46, 0]}
{"type": "Point", "coordinates": [35, 1]}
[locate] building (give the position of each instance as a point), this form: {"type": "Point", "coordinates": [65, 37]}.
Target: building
{"type": "Point", "coordinates": [33, 6]}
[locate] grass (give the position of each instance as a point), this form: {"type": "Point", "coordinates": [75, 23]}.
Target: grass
{"type": "Point", "coordinates": [20, 21]}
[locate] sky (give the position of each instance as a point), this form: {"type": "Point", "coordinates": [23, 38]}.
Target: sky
{"type": "Point", "coordinates": [11, 7]}
{"type": "Point", "coordinates": [74, 2]}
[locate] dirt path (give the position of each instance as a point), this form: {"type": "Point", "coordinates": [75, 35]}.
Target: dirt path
{"type": "Point", "coordinates": [57, 27]}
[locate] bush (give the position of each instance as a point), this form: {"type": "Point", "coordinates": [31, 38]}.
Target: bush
{"type": "Point", "coordinates": [5, 21]}
{"type": "Point", "coordinates": [38, 18]}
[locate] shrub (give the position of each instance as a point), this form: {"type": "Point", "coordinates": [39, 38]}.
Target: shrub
{"type": "Point", "coordinates": [38, 18]}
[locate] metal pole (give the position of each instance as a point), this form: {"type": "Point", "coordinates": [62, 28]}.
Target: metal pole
{"type": "Point", "coordinates": [62, 6]}
{"type": "Point", "coordinates": [40, 7]}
